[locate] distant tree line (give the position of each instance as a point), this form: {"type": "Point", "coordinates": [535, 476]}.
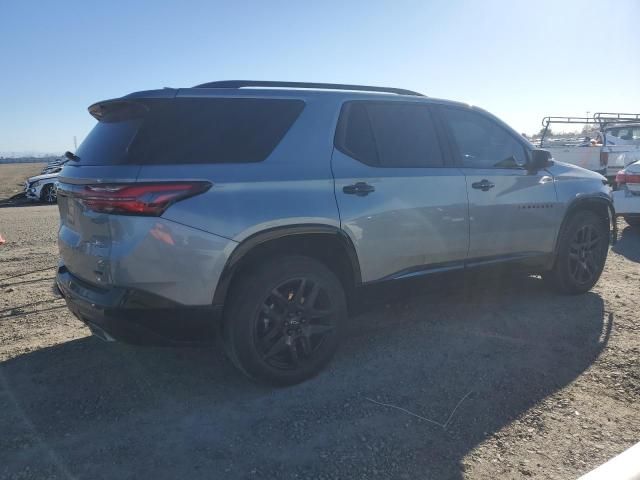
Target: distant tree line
{"type": "Point", "coordinates": [587, 131]}
{"type": "Point", "coordinates": [27, 159]}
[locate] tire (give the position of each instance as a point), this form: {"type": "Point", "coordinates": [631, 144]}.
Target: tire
{"type": "Point", "coordinates": [582, 252]}
{"type": "Point", "coordinates": [48, 194]}
{"type": "Point", "coordinates": [272, 333]}
{"type": "Point", "coordinates": [632, 221]}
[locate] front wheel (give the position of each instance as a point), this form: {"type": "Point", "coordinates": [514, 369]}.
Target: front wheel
{"type": "Point", "coordinates": [48, 194]}
{"type": "Point", "coordinates": [582, 252]}
{"type": "Point", "coordinates": [284, 320]}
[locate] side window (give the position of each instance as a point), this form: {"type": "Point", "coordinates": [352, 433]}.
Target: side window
{"type": "Point", "coordinates": [615, 132]}
{"type": "Point", "coordinates": [625, 134]}
{"type": "Point", "coordinates": [358, 139]}
{"type": "Point", "coordinates": [482, 143]}
{"type": "Point", "coordinates": [389, 134]}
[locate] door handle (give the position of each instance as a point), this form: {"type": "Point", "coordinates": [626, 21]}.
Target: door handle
{"type": "Point", "coordinates": [360, 189]}
{"type": "Point", "coordinates": [484, 185]}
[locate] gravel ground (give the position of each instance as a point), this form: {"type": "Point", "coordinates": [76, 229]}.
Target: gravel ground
{"type": "Point", "coordinates": [545, 386]}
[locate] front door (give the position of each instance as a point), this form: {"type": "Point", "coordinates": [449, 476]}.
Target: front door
{"type": "Point", "coordinates": [512, 212]}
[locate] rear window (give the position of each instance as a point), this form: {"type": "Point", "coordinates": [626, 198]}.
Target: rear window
{"type": "Point", "coordinates": [108, 142]}
{"type": "Point", "coordinates": [625, 133]}
{"type": "Point", "coordinates": [190, 130]}
{"type": "Point", "coordinates": [389, 134]}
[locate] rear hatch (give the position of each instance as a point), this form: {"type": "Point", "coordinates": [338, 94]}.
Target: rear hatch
{"type": "Point", "coordinates": [107, 156]}
{"type": "Point", "coordinates": [148, 151]}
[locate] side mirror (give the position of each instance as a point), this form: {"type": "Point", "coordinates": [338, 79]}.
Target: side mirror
{"type": "Point", "coordinates": [539, 159]}
{"type": "Point", "coordinates": [71, 156]}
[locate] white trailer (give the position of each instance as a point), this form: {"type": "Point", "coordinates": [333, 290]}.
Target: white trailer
{"type": "Point", "coordinates": [616, 146]}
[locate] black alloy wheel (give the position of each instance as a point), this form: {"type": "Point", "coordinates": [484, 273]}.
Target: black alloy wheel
{"type": "Point", "coordinates": [284, 319]}
{"type": "Point", "coordinates": [584, 255]}
{"type": "Point", "coordinates": [293, 322]}
{"type": "Point", "coordinates": [583, 245]}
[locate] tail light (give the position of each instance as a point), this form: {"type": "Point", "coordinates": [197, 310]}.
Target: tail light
{"type": "Point", "coordinates": [604, 159]}
{"type": "Point", "coordinates": [148, 199]}
{"type": "Point", "coordinates": [623, 177]}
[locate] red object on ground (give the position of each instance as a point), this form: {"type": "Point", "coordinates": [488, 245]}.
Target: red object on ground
{"type": "Point", "coordinates": [1, 240]}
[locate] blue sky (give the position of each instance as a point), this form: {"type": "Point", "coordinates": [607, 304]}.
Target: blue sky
{"type": "Point", "coordinates": [519, 60]}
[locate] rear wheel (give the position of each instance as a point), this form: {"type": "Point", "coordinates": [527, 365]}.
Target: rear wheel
{"type": "Point", "coordinates": [48, 194]}
{"type": "Point", "coordinates": [632, 221]}
{"type": "Point", "coordinates": [284, 320]}
{"type": "Point", "coordinates": [582, 252]}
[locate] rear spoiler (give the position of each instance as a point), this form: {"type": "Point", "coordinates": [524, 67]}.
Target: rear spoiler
{"type": "Point", "coordinates": [137, 101]}
{"type": "Point", "coordinates": [116, 110]}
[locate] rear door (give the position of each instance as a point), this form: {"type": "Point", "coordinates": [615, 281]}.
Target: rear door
{"type": "Point", "coordinates": [512, 212]}
{"type": "Point", "coordinates": [402, 204]}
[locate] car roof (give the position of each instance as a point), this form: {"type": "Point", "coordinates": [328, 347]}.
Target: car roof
{"type": "Point", "coordinates": [251, 88]}
{"type": "Point", "coordinates": [297, 90]}
{"type": "Point", "coordinates": [310, 93]}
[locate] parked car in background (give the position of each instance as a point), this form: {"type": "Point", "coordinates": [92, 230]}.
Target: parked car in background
{"type": "Point", "coordinates": [54, 165]}
{"type": "Point", "coordinates": [626, 198]}
{"type": "Point", "coordinates": [261, 210]}
{"type": "Point", "coordinates": [43, 188]}
{"type": "Point", "coordinates": [615, 145]}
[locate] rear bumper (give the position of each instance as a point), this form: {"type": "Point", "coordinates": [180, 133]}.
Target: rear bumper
{"type": "Point", "coordinates": [612, 171]}
{"type": "Point", "coordinates": [136, 317]}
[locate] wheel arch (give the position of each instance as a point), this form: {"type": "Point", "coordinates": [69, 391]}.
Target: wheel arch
{"type": "Point", "coordinates": [600, 204]}
{"type": "Point", "coordinates": [326, 243]}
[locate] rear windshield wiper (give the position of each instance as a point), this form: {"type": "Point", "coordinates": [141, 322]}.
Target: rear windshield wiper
{"type": "Point", "coordinates": [72, 156]}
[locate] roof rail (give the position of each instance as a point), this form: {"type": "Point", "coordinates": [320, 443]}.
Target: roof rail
{"type": "Point", "coordinates": [608, 117]}
{"type": "Point", "coordinates": [323, 86]}
{"type": "Point", "coordinates": [546, 121]}
{"type": "Point", "coordinates": [582, 120]}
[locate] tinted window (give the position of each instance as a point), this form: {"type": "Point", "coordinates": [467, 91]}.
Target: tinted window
{"type": "Point", "coordinates": [389, 134]}
{"type": "Point", "coordinates": [358, 136]}
{"type": "Point", "coordinates": [108, 142]}
{"type": "Point", "coordinates": [192, 130]}
{"type": "Point", "coordinates": [483, 143]}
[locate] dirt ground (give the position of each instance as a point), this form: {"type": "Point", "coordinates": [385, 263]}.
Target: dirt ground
{"type": "Point", "coordinates": [545, 386]}
{"type": "Point", "coordinates": [13, 175]}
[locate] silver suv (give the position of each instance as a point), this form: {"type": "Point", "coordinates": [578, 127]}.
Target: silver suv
{"type": "Point", "coordinates": [255, 210]}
